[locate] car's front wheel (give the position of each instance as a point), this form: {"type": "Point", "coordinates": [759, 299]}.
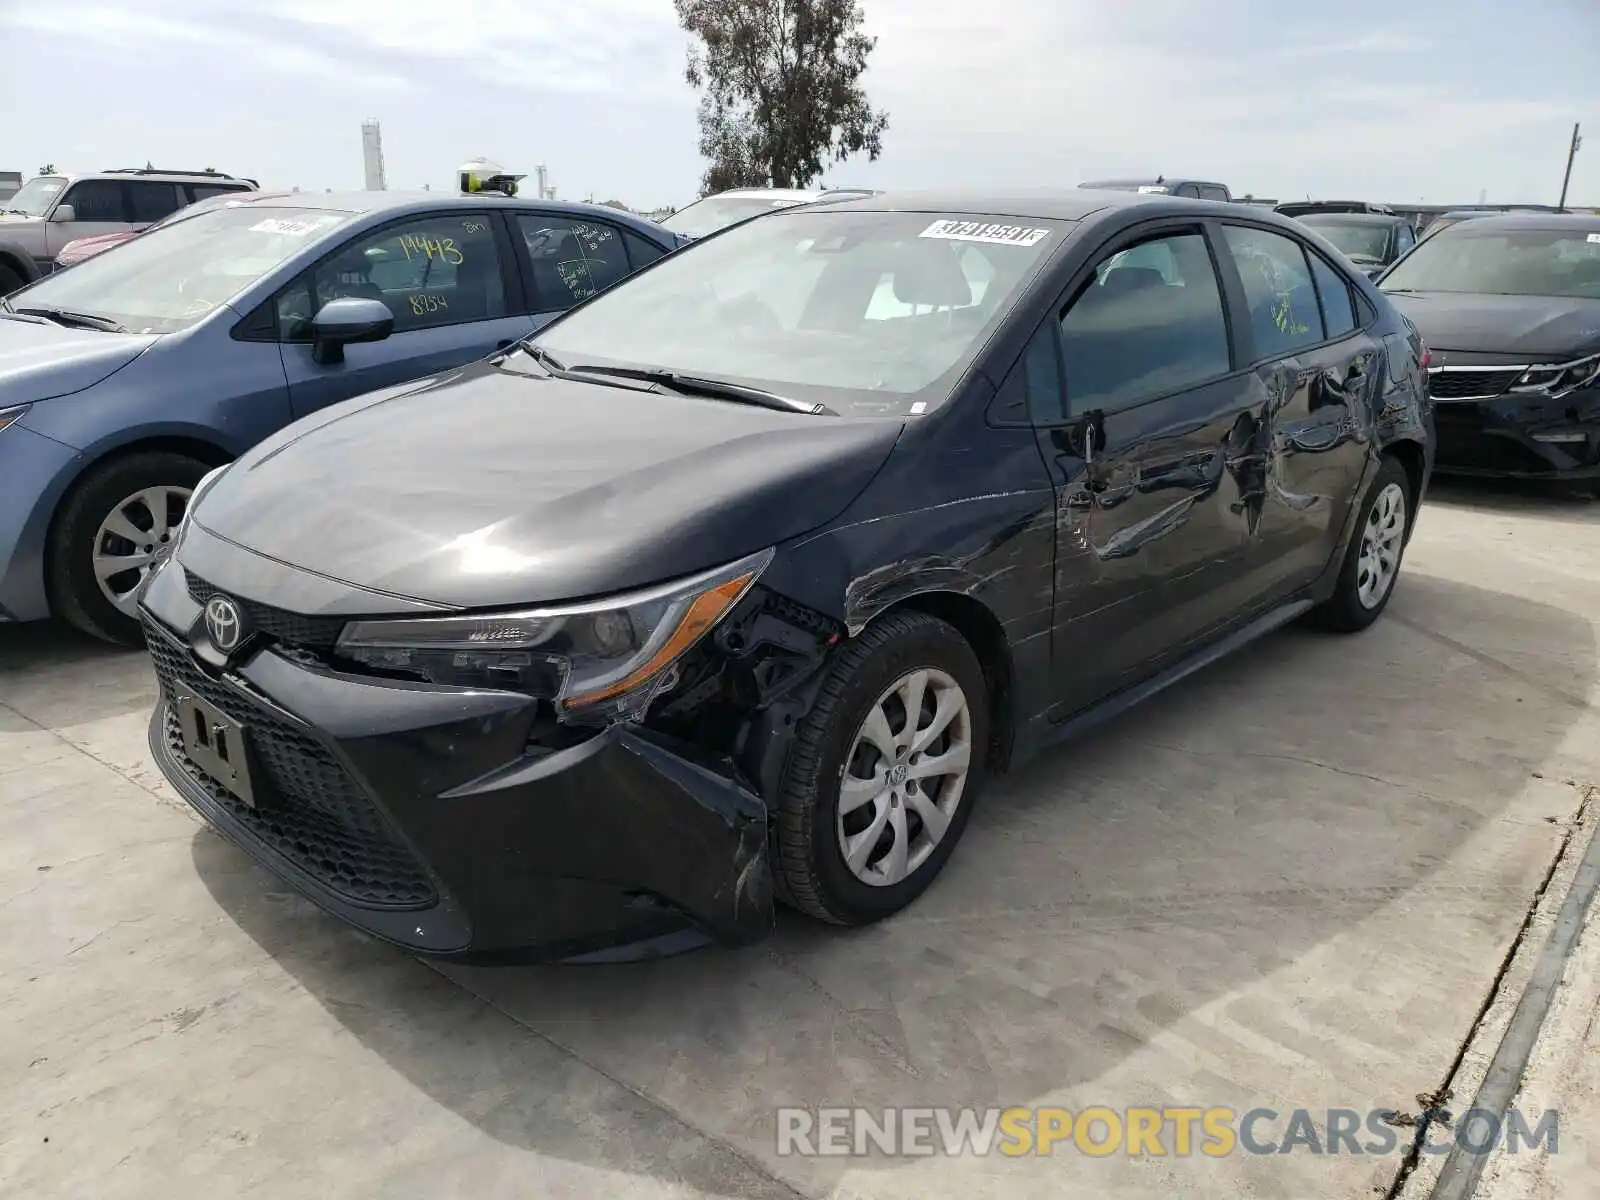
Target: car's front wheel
{"type": "Point", "coordinates": [880, 781]}
{"type": "Point", "coordinates": [116, 524]}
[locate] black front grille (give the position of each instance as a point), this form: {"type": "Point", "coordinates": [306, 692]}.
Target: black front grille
{"type": "Point", "coordinates": [294, 629]}
{"type": "Point", "coordinates": [1448, 384]}
{"type": "Point", "coordinates": [308, 808]}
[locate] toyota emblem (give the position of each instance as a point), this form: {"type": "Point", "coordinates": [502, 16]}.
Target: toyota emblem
{"type": "Point", "coordinates": [224, 624]}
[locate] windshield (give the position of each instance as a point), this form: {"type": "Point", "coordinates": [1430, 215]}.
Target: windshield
{"type": "Point", "coordinates": [169, 278]}
{"type": "Point", "coordinates": [33, 198]}
{"type": "Point", "coordinates": [706, 216]}
{"type": "Point", "coordinates": [1503, 262]}
{"type": "Point", "coordinates": [1354, 239]}
{"type": "Point", "coordinates": [871, 313]}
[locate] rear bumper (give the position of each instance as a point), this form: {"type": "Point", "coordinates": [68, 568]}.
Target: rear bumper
{"type": "Point", "coordinates": [425, 817]}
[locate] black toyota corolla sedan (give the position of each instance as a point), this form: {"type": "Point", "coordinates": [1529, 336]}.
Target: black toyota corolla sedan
{"type": "Point", "coordinates": [1510, 309]}
{"type": "Point", "coordinates": [733, 583]}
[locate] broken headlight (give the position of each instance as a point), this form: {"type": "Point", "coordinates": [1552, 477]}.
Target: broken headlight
{"type": "Point", "coordinates": [606, 657]}
{"type": "Point", "coordinates": [1559, 378]}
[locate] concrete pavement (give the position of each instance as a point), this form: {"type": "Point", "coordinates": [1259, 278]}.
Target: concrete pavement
{"type": "Point", "coordinates": [1291, 882]}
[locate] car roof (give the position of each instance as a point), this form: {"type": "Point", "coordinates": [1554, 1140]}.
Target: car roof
{"type": "Point", "coordinates": [764, 194]}
{"type": "Point", "coordinates": [1548, 222]}
{"type": "Point", "coordinates": [399, 203]}
{"type": "Point", "coordinates": [1150, 181]}
{"type": "Point", "coordinates": [1353, 218]}
{"type": "Point", "coordinates": [154, 176]}
{"type": "Point", "coordinates": [1056, 204]}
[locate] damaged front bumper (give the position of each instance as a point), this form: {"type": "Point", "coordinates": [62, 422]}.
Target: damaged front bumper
{"type": "Point", "coordinates": [431, 818]}
{"type": "Point", "coordinates": [1520, 436]}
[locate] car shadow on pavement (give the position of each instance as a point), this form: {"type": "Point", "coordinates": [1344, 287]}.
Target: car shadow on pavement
{"type": "Point", "coordinates": [49, 671]}
{"type": "Point", "coordinates": [1511, 496]}
{"type": "Point", "coordinates": [1303, 791]}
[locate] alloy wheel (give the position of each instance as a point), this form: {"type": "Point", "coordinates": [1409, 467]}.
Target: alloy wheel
{"type": "Point", "coordinates": [1382, 540]}
{"type": "Point", "coordinates": [904, 777]}
{"type": "Point", "coordinates": [133, 539]}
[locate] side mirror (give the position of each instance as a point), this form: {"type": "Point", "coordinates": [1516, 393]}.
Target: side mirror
{"type": "Point", "coordinates": [340, 323]}
{"type": "Point", "coordinates": [63, 212]}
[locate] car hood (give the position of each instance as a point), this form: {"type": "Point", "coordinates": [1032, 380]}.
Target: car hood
{"type": "Point", "coordinates": [42, 361]}
{"type": "Point", "coordinates": [1536, 327]}
{"type": "Point", "coordinates": [493, 487]}
{"type": "Point", "coordinates": [87, 247]}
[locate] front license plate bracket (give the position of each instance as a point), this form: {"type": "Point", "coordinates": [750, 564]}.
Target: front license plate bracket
{"type": "Point", "coordinates": [215, 743]}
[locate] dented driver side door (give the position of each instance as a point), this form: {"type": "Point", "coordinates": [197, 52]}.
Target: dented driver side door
{"type": "Point", "coordinates": [1150, 539]}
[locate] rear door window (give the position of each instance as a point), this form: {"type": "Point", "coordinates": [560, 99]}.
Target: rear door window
{"type": "Point", "coordinates": [1212, 192]}
{"type": "Point", "coordinates": [1284, 315]}
{"type": "Point", "coordinates": [150, 201]}
{"type": "Point", "coordinates": [570, 259]}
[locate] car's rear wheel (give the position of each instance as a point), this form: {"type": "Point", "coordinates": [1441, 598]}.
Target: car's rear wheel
{"type": "Point", "coordinates": [1372, 561]}
{"type": "Point", "coordinates": [10, 281]}
{"type": "Point", "coordinates": [113, 528]}
{"type": "Point", "coordinates": [880, 780]}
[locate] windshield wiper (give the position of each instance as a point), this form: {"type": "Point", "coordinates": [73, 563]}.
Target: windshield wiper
{"type": "Point", "coordinates": [697, 385]}
{"type": "Point", "coordinates": [554, 368]}
{"type": "Point", "coordinates": [543, 357]}
{"type": "Point", "coordinates": [74, 320]}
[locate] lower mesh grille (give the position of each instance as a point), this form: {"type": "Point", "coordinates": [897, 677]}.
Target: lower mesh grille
{"type": "Point", "coordinates": [308, 808]}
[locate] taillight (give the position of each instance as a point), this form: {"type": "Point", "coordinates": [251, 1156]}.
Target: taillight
{"type": "Point", "coordinates": [1425, 358]}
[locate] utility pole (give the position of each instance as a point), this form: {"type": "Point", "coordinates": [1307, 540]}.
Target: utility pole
{"type": "Point", "coordinates": [1572, 153]}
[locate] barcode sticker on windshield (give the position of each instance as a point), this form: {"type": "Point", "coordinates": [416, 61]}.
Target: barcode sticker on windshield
{"type": "Point", "coordinates": [294, 228]}
{"type": "Point", "coordinates": [982, 231]}
{"type": "Point", "coordinates": [1593, 237]}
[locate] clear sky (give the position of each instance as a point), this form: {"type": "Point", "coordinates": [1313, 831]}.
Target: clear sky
{"type": "Point", "coordinates": [1406, 100]}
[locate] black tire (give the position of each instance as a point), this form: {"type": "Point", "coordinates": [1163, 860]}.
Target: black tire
{"type": "Point", "coordinates": [1344, 611]}
{"type": "Point", "coordinates": [10, 281]}
{"type": "Point", "coordinates": [75, 595]}
{"type": "Point", "coordinates": [808, 863]}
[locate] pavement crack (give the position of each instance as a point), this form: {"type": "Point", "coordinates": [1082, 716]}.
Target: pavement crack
{"type": "Point", "coordinates": [738, 1152]}
{"type": "Point", "coordinates": [1494, 664]}
{"type": "Point", "coordinates": [1292, 758]}
{"type": "Point", "coordinates": [160, 797]}
{"type": "Point", "coordinates": [84, 945]}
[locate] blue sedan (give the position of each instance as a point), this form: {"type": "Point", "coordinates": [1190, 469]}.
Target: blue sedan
{"type": "Point", "coordinates": [127, 378]}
